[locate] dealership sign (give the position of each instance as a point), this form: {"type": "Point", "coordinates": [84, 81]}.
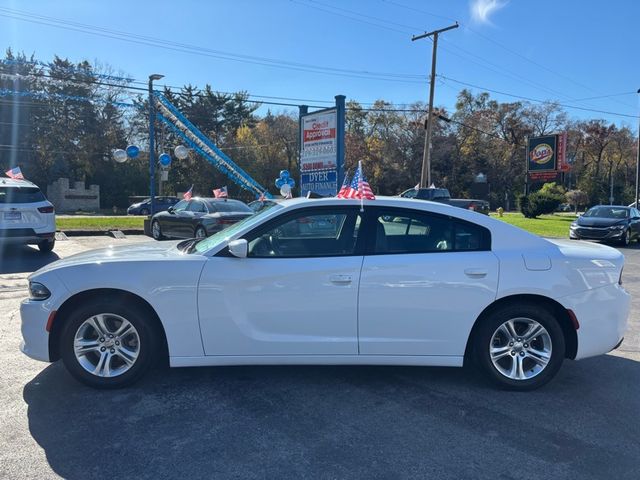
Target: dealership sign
{"type": "Point", "coordinates": [319, 145]}
{"type": "Point", "coordinates": [323, 182]}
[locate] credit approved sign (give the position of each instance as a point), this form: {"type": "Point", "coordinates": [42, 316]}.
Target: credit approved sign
{"type": "Point", "coordinates": [319, 141]}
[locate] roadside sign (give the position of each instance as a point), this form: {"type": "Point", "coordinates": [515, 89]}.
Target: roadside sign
{"type": "Point", "coordinates": [323, 182]}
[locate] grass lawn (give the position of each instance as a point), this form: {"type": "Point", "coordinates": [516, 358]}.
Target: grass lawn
{"type": "Point", "coordinates": [556, 225]}
{"type": "Point", "coordinates": [99, 223]}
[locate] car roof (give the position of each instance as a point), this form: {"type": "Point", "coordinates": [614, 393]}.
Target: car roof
{"type": "Point", "coordinates": [13, 182]}
{"type": "Point", "coordinates": [214, 200]}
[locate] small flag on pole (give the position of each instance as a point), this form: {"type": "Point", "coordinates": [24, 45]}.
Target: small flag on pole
{"type": "Point", "coordinates": [359, 187]}
{"type": "Point", "coordinates": [345, 187]}
{"type": "Point", "coordinates": [187, 195]}
{"type": "Point", "coordinates": [220, 192]}
{"type": "Point", "coordinates": [15, 173]}
{"type": "Point", "coordinates": [262, 197]}
{"type": "Point", "coordinates": [417, 187]}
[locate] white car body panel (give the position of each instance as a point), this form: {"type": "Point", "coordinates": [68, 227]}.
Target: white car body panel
{"type": "Point", "coordinates": [280, 306]}
{"type": "Point", "coordinates": [25, 216]}
{"type": "Point", "coordinates": [423, 304]}
{"type": "Point", "coordinates": [287, 311]}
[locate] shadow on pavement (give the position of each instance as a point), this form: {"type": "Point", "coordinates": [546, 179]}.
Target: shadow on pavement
{"type": "Point", "coordinates": [341, 422]}
{"type": "Point", "coordinates": [23, 258]}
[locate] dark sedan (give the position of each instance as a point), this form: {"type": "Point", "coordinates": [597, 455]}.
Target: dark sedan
{"type": "Point", "coordinates": [198, 218]}
{"type": "Point", "coordinates": [144, 207]}
{"type": "Point", "coordinates": [610, 223]}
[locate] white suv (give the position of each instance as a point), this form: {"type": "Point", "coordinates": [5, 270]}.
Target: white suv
{"type": "Point", "coordinates": [26, 216]}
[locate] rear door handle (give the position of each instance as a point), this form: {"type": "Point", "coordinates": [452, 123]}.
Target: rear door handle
{"type": "Point", "coordinates": [341, 279]}
{"type": "Point", "coordinates": [475, 273]}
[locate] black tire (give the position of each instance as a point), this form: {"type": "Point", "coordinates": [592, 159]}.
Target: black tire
{"type": "Point", "coordinates": [144, 211]}
{"type": "Point", "coordinates": [148, 345]}
{"type": "Point", "coordinates": [482, 342]}
{"type": "Point", "coordinates": [200, 232]}
{"type": "Point", "coordinates": [156, 231]}
{"type": "Point", "coordinates": [47, 245]}
{"type": "Point", "coordinates": [626, 238]}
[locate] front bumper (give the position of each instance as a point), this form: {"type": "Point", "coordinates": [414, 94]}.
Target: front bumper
{"type": "Point", "coordinates": [35, 338]}
{"type": "Point", "coordinates": [602, 314]}
{"type": "Point", "coordinates": [587, 233]}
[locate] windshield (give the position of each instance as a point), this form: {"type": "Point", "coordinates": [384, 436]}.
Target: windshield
{"type": "Point", "coordinates": [210, 242]}
{"type": "Point", "coordinates": [607, 212]}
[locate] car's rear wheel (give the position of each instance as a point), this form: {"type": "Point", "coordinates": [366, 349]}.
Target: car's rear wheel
{"type": "Point", "coordinates": [200, 233]}
{"type": "Point", "coordinates": [520, 347]}
{"type": "Point", "coordinates": [106, 345]}
{"type": "Point", "coordinates": [156, 231]}
{"type": "Point", "coordinates": [47, 245]}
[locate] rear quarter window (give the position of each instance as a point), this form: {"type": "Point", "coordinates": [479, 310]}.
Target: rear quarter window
{"type": "Point", "coordinates": [21, 195]}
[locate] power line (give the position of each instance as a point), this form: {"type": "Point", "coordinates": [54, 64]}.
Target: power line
{"type": "Point", "coordinates": [196, 50]}
{"type": "Point", "coordinates": [535, 100]}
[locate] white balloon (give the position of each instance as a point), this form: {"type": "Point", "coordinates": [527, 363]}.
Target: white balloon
{"type": "Point", "coordinates": [285, 190]}
{"type": "Point", "coordinates": [181, 152]}
{"type": "Point", "coordinates": [120, 155]}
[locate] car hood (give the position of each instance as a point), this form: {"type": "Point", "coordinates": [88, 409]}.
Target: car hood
{"type": "Point", "coordinates": [599, 222]}
{"type": "Point", "coordinates": [147, 251]}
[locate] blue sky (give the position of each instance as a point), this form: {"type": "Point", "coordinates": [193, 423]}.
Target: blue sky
{"type": "Point", "coordinates": [567, 50]}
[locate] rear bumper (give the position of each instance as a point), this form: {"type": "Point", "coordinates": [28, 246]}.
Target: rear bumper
{"type": "Point", "coordinates": [24, 236]}
{"type": "Point", "coordinates": [603, 314]}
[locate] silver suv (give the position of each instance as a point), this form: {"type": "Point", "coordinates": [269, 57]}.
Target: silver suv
{"type": "Point", "coordinates": [26, 216]}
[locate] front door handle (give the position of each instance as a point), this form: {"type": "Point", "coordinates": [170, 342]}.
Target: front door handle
{"type": "Point", "coordinates": [475, 273]}
{"type": "Point", "coordinates": [341, 279]}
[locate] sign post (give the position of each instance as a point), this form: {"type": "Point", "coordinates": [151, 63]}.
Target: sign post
{"type": "Point", "coordinates": [322, 149]}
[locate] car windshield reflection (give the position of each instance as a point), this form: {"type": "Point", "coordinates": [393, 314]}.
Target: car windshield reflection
{"type": "Point", "coordinates": [210, 242]}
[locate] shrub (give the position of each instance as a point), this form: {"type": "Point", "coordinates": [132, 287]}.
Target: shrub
{"type": "Point", "coordinates": [539, 203]}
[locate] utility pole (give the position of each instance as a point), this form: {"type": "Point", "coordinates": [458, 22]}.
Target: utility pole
{"type": "Point", "coordinates": [425, 177]}
{"type": "Point", "coordinates": [638, 164]}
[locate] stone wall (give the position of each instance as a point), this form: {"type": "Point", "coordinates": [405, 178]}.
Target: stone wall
{"type": "Point", "coordinates": [72, 199]}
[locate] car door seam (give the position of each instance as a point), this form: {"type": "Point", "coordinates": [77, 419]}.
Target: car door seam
{"type": "Point", "coordinates": [358, 305]}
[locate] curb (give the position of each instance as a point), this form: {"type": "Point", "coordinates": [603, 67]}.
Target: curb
{"type": "Point", "coordinates": [97, 233]}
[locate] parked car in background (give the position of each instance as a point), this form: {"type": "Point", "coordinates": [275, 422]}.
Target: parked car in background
{"type": "Point", "coordinates": [144, 207]}
{"type": "Point", "coordinates": [442, 287]}
{"type": "Point", "coordinates": [442, 195]}
{"type": "Point", "coordinates": [613, 223]}
{"type": "Point", "coordinates": [26, 216]}
{"type": "Point", "coordinates": [198, 218]}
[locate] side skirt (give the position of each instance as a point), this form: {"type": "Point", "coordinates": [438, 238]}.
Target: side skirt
{"type": "Point", "coordinates": [221, 360]}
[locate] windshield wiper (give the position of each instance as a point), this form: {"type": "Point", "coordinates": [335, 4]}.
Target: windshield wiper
{"type": "Point", "coordinates": [188, 246]}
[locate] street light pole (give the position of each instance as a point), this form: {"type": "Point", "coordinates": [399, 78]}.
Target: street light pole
{"type": "Point", "coordinates": [638, 163]}
{"type": "Point", "coordinates": [152, 156]}
{"type": "Point", "coordinates": [425, 176]}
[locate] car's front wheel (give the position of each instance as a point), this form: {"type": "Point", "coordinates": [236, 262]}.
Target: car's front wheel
{"type": "Point", "coordinates": [106, 345]}
{"type": "Point", "coordinates": [156, 231]}
{"type": "Point", "coordinates": [200, 233]}
{"type": "Point", "coordinates": [626, 238]}
{"type": "Point", "coordinates": [520, 347]}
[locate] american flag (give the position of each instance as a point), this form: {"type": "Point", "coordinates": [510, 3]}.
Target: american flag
{"type": "Point", "coordinates": [220, 192]}
{"type": "Point", "coordinates": [359, 187]}
{"type": "Point", "coordinates": [344, 188]}
{"type": "Point", "coordinates": [15, 173]}
{"type": "Point", "coordinates": [187, 195]}
{"type": "Point", "coordinates": [262, 197]}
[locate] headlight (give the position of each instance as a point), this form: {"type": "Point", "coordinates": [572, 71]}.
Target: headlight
{"type": "Point", "coordinates": [38, 291]}
{"type": "Point", "coordinates": [573, 225]}
{"type": "Point", "coordinates": [618, 227]}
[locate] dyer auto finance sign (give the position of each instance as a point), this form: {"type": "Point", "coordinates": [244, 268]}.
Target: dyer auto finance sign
{"type": "Point", "coordinates": [323, 182]}
{"type": "Point", "coordinates": [319, 141]}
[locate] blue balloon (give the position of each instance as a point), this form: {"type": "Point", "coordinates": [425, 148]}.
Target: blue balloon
{"type": "Point", "coordinates": [165, 159]}
{"type": "Point", "coordinates": [132, 151]}
{"type": "Point", "coordinates": [279, 182]}
{"type": "Point", "coordinates": [291, 182]}
{"type": "Point", "coordinates": [284, 174]}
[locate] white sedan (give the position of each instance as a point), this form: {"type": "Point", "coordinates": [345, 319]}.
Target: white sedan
{"type": "Point", "coordinates": [398, 282]}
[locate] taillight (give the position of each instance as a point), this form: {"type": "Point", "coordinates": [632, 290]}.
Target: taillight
{"type": "Point", "coordinates": [472, 206]}
{"type": "Point", "coordinates": [45, 209]}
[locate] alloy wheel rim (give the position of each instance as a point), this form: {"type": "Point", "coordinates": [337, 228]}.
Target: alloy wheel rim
{"type": "Point", "coordinates": [156, 230]}
{"type": "Point", "coordinates": [520, 348]}
{"type": "Point", "coordinates": [106, 345]}
{"type": "Point", "coordinates": [200, 233]}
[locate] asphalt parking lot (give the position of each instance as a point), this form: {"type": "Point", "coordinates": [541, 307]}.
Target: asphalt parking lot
{"type": "Point", "coordinates": [313, 422]}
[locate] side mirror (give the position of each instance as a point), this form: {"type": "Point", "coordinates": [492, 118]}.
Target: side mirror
{"type": "Point", "coordinates": [170, 209]}
{"type": "Point", "coordinates": [239, 248]}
